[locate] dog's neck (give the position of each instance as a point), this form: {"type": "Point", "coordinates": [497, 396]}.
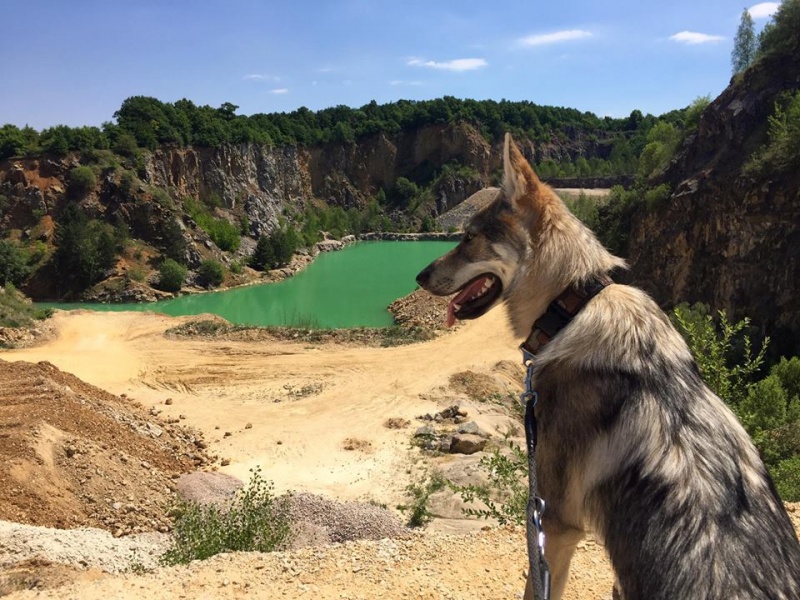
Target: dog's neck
{"type": "Point", "coordinates": [561, 311]}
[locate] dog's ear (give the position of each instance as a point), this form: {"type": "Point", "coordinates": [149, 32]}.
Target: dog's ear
{"type": "Point", "coordinates": [522, 187]}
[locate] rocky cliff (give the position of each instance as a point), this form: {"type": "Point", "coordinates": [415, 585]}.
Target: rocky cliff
{"type": "Point", "coordinates": [726, 238]}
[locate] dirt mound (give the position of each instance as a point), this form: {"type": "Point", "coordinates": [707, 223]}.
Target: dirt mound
{"type": "Point", "coordinates": [73, 455]}
{"type": "Point", "coordinates": [420, 309]}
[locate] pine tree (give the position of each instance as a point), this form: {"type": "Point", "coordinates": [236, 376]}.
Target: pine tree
{"type": "Point", "coordinates": [744, 44]}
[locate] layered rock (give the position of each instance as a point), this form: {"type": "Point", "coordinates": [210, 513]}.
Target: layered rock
{"type": "Point", "coordinates": [724, 238]}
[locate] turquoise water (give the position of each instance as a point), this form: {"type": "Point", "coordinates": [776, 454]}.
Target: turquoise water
{"type": "Point", "coordinates": [348, 288]}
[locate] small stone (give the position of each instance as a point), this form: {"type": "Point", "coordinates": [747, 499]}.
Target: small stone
{"type": "Point", "coordinates": [425, 431]}
{"type": "Point", "coordinates": [248, 426]}
{"type": "Point", "coordinates": [225, 462]}
{"type": "Point", "coordinates": [227, 434]}
{"type": "Point", "coordinates": [168, 401]}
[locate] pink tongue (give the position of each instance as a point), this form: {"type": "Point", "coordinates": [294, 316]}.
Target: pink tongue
{"type": "Point", "coordinates": [466, 293]}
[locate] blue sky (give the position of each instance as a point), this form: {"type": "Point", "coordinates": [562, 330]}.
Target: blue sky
{"type": "Point", "coordinates": [75, 62]}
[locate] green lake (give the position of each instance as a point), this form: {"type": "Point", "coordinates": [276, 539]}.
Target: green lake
{"type": "Point", "coordinates": [347, 288]}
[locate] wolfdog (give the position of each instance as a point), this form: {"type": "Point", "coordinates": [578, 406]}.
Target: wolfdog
{"type": "Point", "coordinates": [632, 445]}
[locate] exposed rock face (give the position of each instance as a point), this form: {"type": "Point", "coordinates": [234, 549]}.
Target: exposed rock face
{"type": "Point", "coordinates": [726, 239]}
{"type": "Point", "coordinates": [260, 180]}
{"type": "Point", "coordinates": [347, 174]}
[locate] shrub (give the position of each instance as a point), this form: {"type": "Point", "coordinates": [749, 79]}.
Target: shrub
{"type": "Point", "coordinates": [506, 494]}
{"type": "Point", "coordinates": [126, 182]}
{"type": "Point", "coordinates": [82, 180]}
{"type": "Point", "coordinates": [171, 275]}
{"type": "Point", "coordinates": [276, 249]}
{"type": "Point", "coordinates": [16, 310]}
{"type": "Point", "coordinates": [714, 348]}
{"type": "Point", "coordinates": [211, 273]}
{"type": "Point", "coordinates": [255, 521]}
{"type": "Point", "coordinates": [13, 267]}
{"type": "Point", "coordinates": [656, 197]}
{"type": "Point", "coordinates": [787, 479]}
{"type": "Point", "coordinates": [420, 492]}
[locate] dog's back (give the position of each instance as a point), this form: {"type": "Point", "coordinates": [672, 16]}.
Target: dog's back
{"type": "Point", "coordinates": [667, 475]}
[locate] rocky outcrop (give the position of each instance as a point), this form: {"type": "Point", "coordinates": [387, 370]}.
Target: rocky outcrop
{"type": "Point", "coordinates": [259, 181]}
{"type": "Point", "coordinates": [724, 238]}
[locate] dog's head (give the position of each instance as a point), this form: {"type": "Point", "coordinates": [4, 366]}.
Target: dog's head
{"type": "Point", "coordinates": [483, 267]}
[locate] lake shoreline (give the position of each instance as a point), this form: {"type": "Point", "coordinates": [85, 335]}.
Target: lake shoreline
{"type": "Point", "coordinates": [352, 291]}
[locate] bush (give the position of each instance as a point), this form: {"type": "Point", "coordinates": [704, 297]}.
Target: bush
{"type": "Point", "coordinates": [13, 267]}
{"type": "Point", "coordinates": [782, 152]}
{"type": "Point", "coordinates": [16, 310]}
{"type": "Point", "coordinates": [787, 479]}
{"type": "Point", "coordinates": [210, 274]}
{"type": "Point", "coordinates": [222, 232]}
{"type": "Point", "coordinates": [171, 275]}
{"type": "Point", "coordinates": [506, 494]}
{"type": "Point", "coordinates": [419, 512]}
{"type": "Point", "coordinates": [715, 347]}
{"type": "Point", "coordinates": [82, 180]}
{"type": "Point", "coordinates": [276, 249]}
{"type": "Point", "coordinates": [255, 521]}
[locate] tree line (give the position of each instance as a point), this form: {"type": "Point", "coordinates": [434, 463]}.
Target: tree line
{"type": "Point", "coordinates": [146, 123]}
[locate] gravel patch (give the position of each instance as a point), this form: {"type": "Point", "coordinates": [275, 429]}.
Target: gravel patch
{"type": "Point", "coordinates": [346, 521]}
{"type": "Point", "coordinates": [84, 547]}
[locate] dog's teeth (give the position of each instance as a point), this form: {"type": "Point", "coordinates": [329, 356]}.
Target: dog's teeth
{"type": "Point", "coordinates": [456, 307]}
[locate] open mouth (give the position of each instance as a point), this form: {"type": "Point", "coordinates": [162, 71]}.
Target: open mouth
{"type": "Point", "coordinates": [474, 299]}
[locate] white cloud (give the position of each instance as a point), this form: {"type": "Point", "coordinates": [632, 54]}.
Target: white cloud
{"type": "Point", "coordinates": [459, 64]}
{"type": "Point", "coordinates": [692, 38]}
{"type": "Point", "coordinates": [258, 77]}
{"type": "Point", "coordinates": [279, 91]}
{"type": "Point", "coordinates": [402, 82]}
{"type": "Point", "coordinates": [763, 10]}
{"type": "Point", "coordinates": [544, 39]}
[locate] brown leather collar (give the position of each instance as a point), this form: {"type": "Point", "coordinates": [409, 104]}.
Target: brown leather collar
{"type": "Point", "coordinates": [562, 310]}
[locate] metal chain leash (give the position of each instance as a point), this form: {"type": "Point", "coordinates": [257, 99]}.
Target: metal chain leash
{"type": "Point", "coordinates": [539, 569]}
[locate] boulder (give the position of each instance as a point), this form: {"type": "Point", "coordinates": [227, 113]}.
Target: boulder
{"type": "Point", "coordinates": [467, 443]}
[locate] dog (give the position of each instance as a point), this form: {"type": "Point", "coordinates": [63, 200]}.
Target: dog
{"type": "Point", "coordinates": [632, 445]}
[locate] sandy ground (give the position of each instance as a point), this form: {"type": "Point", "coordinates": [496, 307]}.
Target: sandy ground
{"type": "Point", "coordinates": [293, 408]}
{"type": "Point", "coordinates": [286, 407]}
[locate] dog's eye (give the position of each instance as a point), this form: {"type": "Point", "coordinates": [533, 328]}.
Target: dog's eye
{"type": "Point", "coordinates": [468, 236]}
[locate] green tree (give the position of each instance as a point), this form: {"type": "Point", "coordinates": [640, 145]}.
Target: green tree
{"type": "Point", "coordinates": [264, 256]}
{"type": "Point", "coordinates": [171, 275]}
{"type": "Point", "coordinates": [82, 180]}
{"type": "Point", "coordinates": [782, 34]}
{"type": "Point", "coordinates": [744, 44]}
{"type": "Point", "coordinates": [85, 249]}
{"type": "Point", "coordinates": [211, 273]}
{"type": "Point", "coordinates": [13, 267]}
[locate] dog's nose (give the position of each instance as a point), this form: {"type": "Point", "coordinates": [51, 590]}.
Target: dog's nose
{"type": "Point", "coordinates": [424, 276]}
